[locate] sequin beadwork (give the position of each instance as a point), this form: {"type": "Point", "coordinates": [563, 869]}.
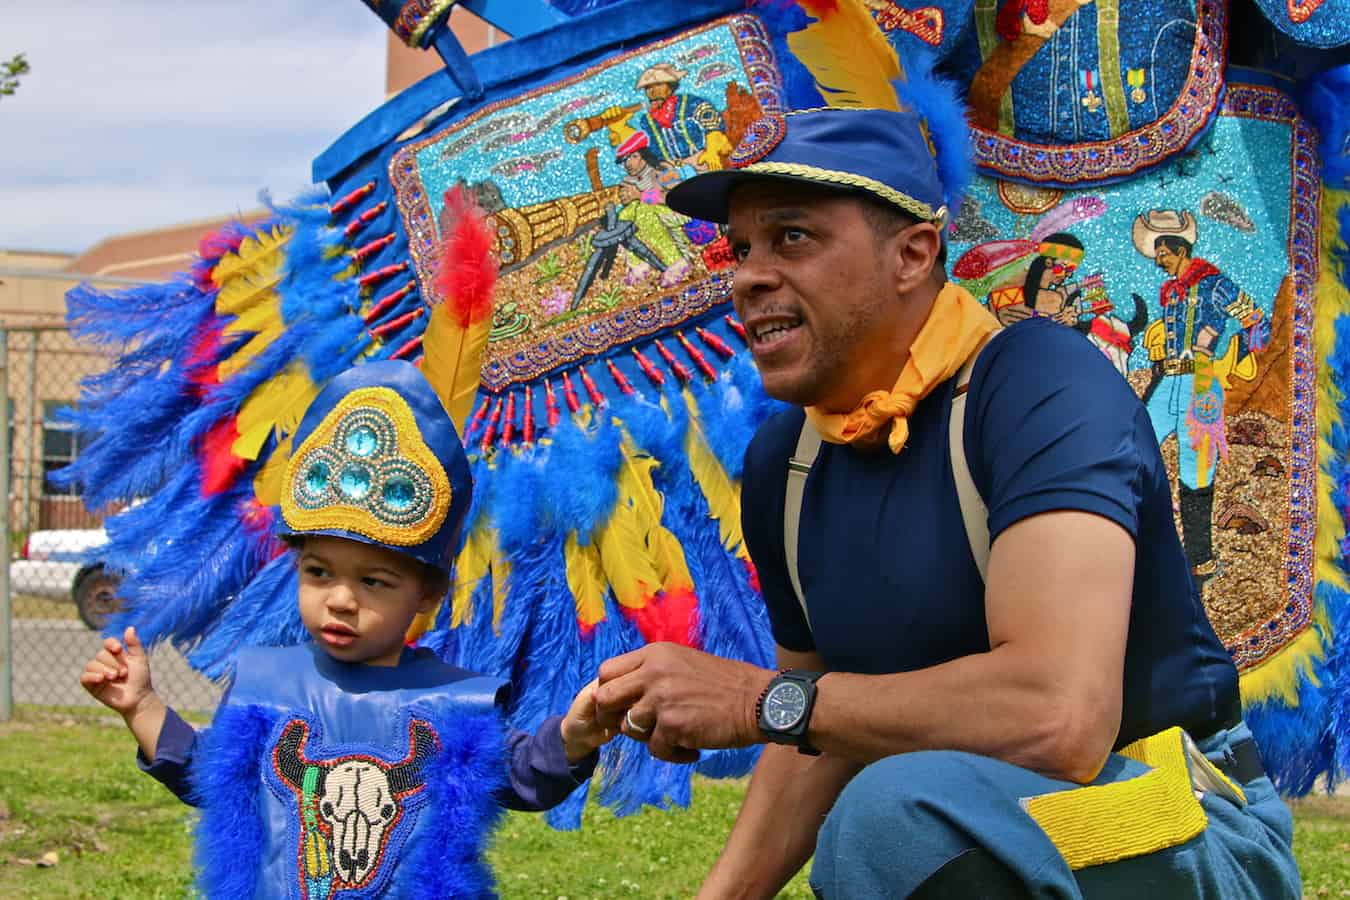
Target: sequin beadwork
{"type": "Point", "coordinates": [365, 469]}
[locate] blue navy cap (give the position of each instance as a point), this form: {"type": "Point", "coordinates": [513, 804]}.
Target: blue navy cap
{"type": "Point", "coordinates": [376, 459]}
{"type": "Point", "coordinates": [414, 21]}
{"type": "Point", "coordinates": [877, 152]}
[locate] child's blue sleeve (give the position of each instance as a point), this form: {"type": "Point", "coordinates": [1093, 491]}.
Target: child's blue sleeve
{"type": "Point", "coordinates": [540, 777]}
{"type": "Point", "coordinates": [173, 756]}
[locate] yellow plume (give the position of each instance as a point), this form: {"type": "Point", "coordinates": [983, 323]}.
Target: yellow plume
{"type": "Point", "coordinates": [623, 553]}
{"type": "Point", "coordinates": [247, 278]}
{"type": "Point", "coordinates": [850, 59]}
{"type": "Point", "coordinates": [452, 360]}
{"type": "Point", "coordinates": [472, 566]}
{"type": "Point", "coordinates": [722, 494]}
{"type": "Point", "coordinates": [278, 405]}
{"type": "Point", "coordinates": [453, 344]}
{"type": "Point", "coordinates": [586, 579]}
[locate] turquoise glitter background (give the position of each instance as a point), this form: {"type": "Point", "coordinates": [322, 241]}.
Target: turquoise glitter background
{"type": "Point", "coordinates": [1247, 160]}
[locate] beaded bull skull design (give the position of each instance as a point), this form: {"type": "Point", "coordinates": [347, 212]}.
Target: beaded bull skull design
{"type": "Point", "coordinates": [349, 806]}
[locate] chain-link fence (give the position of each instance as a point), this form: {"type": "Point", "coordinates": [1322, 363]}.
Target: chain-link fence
{"type": "Point", "coordinates": [57, 597]}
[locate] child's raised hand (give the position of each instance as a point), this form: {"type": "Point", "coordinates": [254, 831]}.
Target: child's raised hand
{"type": "Point", "coordinates": [119, 675]}
{"type": "Point", "coordinates": [581, 733]}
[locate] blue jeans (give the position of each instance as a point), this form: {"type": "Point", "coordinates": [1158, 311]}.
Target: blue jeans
{"type": "Point", "coordinates": [903, 817]}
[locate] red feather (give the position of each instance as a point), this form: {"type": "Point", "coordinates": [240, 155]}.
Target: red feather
{"type": "Point", "coordinates": [467, 272]}
{"type": "Point", "coordinates": [220, 467]}
{"type": "Point", "coordinates": [669, 616]}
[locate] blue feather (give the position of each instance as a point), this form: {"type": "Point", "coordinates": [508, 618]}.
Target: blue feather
{"type": "Point", "coordinates": [780, 19]}
{"type": "Point", "coordinates": [446, 859]}
{"type": "Point", "coordinates": [1325, 100]}
{"type": "Point", "coordinates": [939, 103]}
{"type": "Point", "coordinates": [230, 834]}
{"type": "Point", "coordinates": [264, 613]}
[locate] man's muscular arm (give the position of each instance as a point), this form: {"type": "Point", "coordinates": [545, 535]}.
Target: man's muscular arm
{"type": "Point", "coordinates": [775, 831]}
{"type": "Point", "coordinates": [1047, 695]}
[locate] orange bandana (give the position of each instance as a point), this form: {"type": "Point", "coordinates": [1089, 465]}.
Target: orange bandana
{"type": "Point", "coordinates": [957, 325]}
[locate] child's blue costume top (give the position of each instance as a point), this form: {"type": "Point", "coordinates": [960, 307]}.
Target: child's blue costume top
{"type": "Point", "coordinates": [317, 774]}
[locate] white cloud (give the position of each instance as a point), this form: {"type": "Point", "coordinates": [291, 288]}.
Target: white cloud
{"type": "Point", "coordinates": [139, 114]}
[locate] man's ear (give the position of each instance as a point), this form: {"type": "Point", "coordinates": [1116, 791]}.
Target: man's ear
{"type": "Point", "coordinates": [916, 250]}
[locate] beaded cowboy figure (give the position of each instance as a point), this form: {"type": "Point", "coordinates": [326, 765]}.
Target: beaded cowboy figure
{"type": "Point", "coordinates": [1207, 330]}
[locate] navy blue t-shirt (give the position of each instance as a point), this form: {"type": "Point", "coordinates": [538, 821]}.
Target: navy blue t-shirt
{"type": "Point", "coordinates": [883, 555]}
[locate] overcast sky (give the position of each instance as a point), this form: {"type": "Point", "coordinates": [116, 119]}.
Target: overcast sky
{"type": "Point", "coordinates": [143, 113]}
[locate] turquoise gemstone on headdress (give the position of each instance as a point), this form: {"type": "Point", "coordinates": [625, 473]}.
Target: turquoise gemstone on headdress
{"type": "Point", "coordinates": [316, 479]}
{"type": "Point", "coordinates": [355, 482]}
{"type": "Point", "coordinates": [361, 467]}
{"type": "Point", "coordinates": [399, 493]}
{"type": "Point", "coordinates": [362, 441]}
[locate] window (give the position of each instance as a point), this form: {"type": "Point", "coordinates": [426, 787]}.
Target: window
{"type": "Point", "coordinates": [60, 446]}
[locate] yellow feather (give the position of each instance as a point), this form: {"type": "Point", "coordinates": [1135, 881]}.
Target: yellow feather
{"type": "Point", "coordinates": [276, 405]}
{"type": "Point", "coordinates": [271, 478]}
{"type": "Point", "coordinates": [452, 359]}
{"type": "Point", "coordinates": [472, 566]}
{"type": "Point", "coordinates": [623, 539]}
{"type": "Point", "coordinates": [586, 579]}
{"type": "Point", "coordinates": [668, 556]}
{"type": "Point", "coordinates": [848, 56]}
{"type": "Point", "coordinates": [722, 494]}
{"type": "Point", "coordinates": [254, 268]}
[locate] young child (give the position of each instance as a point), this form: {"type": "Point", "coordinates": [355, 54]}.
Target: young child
{"type": "Point", "coordinates": [353, 766]}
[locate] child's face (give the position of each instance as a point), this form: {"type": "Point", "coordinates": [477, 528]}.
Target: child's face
{"type": "Point", "coordinates": [357, 601]}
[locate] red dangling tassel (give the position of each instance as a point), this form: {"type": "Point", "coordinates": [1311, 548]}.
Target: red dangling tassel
{"type": "Point", "coordinates": [364, 219]}
{"type": "Point", "coordinates": [387, 302]}
{"type": "Point", "coordinates": [509, 425]}
{"type": "Point", "coordinates": [597, 398]}
{"type": "Point", "coordinates": [697, 356]}
{"type": "Point", "coordinates": [407, 348]}
{"type": "Point", "coordinates": [680, 369]}
{"type": "Point", "coordinates": [491, 431]}
{"type": "Point", "coordinates": [351, 199]}
{"type": "Point", "coordinates": [550, 405]}
{"type": "Point", "coordinates": [478, 417]}
{"type": "Point", "coordinates": [570, 395]}
{"type": "Point", "coordinates": [527, 432]}
{"type": "Point", "coordinates": [396, 324]}
{"type": "Point", "coordinates": [364, 252]}
{"type": "Point", "coordinates": [652, 372]}
{"type": "Point", "coordinates": [737, 327]}
{"type": "Point", "coordinates": [381, 274]}
{"type": "Point", "coordinates": [718, 345]}
{"type": "Point", "coordinates": [624, 387]}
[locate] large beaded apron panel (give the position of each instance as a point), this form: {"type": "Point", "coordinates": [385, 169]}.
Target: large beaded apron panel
{"type": "Point", "coordinates": [1239, 439]}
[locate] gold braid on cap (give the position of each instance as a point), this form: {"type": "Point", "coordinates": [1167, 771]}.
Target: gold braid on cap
{"type": "Point", "coordinates": [916, 208]}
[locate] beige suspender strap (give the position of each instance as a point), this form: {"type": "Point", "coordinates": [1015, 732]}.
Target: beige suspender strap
{"type": "Point", "coordinates": [973, 511]}
{"type": "Point", "coordinates": [799, 466]}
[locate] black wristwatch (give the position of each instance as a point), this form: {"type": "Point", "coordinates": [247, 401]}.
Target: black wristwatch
{"type": "Point", "coordinates": [784, 709]}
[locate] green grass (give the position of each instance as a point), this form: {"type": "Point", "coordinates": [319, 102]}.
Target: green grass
{"type": "Point", "coordinates": [70, 786]}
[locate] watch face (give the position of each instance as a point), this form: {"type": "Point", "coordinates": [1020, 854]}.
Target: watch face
{"type": "Point", "coordinates": [784, 706]}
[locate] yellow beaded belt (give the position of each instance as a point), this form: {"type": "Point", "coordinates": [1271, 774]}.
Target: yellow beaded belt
{"type": "Point", "coordinates": [1161, 808]}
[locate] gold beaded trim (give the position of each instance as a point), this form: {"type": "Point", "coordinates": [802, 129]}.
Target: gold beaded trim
{"type": "Point", "coordinates": [832, 176]}
{"type": "Point", "coordinates": [390, 457]}
{"type": "Point", "coordinates": [419, 15]}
